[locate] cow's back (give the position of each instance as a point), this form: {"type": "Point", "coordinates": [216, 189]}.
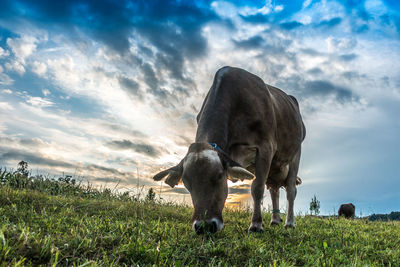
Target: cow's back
{"type": "Point", "coordinates": [241, 109]}
{"type": "Point", "coordinates": [290, 130]}
{"type": "Point", "coordinates": [237, 103]}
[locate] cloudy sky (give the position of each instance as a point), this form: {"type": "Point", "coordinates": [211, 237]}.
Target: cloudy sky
{"type": "Point", "coordinates": [109, 89]}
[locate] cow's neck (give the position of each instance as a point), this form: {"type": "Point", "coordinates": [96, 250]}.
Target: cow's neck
{"type": "Point", "coordinates": [213, 133]}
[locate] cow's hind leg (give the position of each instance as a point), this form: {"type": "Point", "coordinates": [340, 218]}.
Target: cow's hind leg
{"type": "Point", "coordinates": [278, 177]}
{"type": "Point", "coordinates": [276, 217]}
{"type": "Point", "coordinates": [291, 190]}
{"type": "Point", "coordinates": [263, 163]}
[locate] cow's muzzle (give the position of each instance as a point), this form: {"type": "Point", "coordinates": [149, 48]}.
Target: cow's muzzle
{"type": "Point", "coordinates": [208, 226]}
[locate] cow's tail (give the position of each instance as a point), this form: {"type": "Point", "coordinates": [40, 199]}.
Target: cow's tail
{"type": "Point", "coordinates": [298, 181]}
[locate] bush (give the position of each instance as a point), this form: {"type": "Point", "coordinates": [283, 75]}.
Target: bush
{"type": "Point", "coordinates": [65, 185]}
{"type": "Point", "coordinates": [393, 216]}
{"type": "Point", "coordinates": [314, 205]}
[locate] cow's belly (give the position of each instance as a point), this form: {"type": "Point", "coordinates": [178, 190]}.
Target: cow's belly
{"type": "Point", "coordinates": [277, 175]}
{"type": "Point", "coordinates": [245, 156]}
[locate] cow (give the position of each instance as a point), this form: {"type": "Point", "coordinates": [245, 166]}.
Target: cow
{"type": "Point", "coordinates": [347, 210]}
{"type": "Point", "coordinates": [245, 127]}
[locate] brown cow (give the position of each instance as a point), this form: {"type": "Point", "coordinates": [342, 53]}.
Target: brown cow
{"type": "Point", "coordinates": [347, 210]}
{"type": "Point", "coordinates": [244, 126]}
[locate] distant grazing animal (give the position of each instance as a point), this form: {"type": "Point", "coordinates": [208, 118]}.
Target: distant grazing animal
{"type": "Point", "coordinates": [347, 210]}
{"type": "Point", "coordinates": [244, 127]}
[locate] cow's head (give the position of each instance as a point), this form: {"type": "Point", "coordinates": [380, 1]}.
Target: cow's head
{"type": "Point", "coordinates": [204, 172]}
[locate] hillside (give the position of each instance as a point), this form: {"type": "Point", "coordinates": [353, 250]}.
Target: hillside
{"type": "Point", "coordinates": [73, 229]}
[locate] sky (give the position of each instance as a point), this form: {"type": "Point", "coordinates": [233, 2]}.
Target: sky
{"type": "Point", "coordinates": [109, 90]}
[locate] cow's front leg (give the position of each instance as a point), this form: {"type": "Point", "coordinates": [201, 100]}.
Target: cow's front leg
{"type": "Point", "coordinates": [276, 217]}
{"type": "Point", "coordinates": [257, 192]}
{"type": "Point", "coordinates": [291, 192]}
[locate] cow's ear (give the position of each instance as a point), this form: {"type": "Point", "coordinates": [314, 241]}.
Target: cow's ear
{"type": "Point", "coordinates": [239, 173]}
{"type": "Point", "coordinates": [174, 175]}
{"type": "Point", "coordinates": [235, 170]}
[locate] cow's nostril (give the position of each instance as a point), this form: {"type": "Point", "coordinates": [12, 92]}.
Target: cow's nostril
{"type": "Point", "coordinates": [209, 226]}
{"type": "Point", "coordinates": [213, 227]}
{"type": "Point", "coordinates": [198, 227]}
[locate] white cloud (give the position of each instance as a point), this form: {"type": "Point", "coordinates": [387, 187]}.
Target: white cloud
{"type": "Point", "coordinates": [264, 10]}
{"type": "Point", "coordinates": [306, 3]}
{"type": "Point", "coordinates": [45, 92]}
{"type": "Point", "coordinates": [75, 75]}
{"type": "Point", "coordinates": [39, 102]}
{"type": "Point", "coordinates": [4, 53]}
{"type": "Point", "coordinates": [340, 44]}
{"type": "Point", "coordinates": [224, 9]}
{"type": "Point", "coordinates": [5, 106]}
{"type": "Point", "coordinates": [5, 79]}
{"type": "Point", "coordinates": [15, 66]}
{"type": "Point", "coordinates": [39, 68]}
{"type": "Point", "coordinates": [22, 47]}
{"type": "Point", "coordinates": [375, 7]}
{"type": "Point", "coordinates": [6, 91]}
{"type": "Point", "coordinates": [320, 11]}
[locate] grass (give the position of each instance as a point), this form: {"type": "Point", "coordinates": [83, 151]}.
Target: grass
{"type": "Point", "coordinates": [73, 228]}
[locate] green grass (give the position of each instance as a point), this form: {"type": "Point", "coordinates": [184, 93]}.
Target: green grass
{"type": "Point", "coordinates": [75, 229]}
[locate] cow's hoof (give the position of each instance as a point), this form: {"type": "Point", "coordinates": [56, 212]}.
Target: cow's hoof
{"type": "Point", "coordinates": [273, 223]}
{"type": "Point", "coordinates": [292, 226]}
{"type": "Point", "coordinates": [256, 228]}
{"type": "Point", "coordinates": [275, 220]}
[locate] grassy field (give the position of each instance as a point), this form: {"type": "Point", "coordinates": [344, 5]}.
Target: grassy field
{"type": "Point", "coordinates": [69, 226]}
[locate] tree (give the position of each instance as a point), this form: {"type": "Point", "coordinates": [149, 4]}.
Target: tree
{"type": "Point", "coordinates": [23, 168]}
{"type": "Point", "coordinates": [151, 195]}
{"type": "Point", "coordinates": [314, 205]}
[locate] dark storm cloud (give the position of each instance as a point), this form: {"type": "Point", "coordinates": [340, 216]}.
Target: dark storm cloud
{"type": "Point", "coordinates": [110, 175]}
{"type": "Point", "coordinates": [251, 43]}
{"type": "Point", "coordinates": [172, 28]}
{"type": "Point", "coordinates": [123, 129]}
{"type": "Point", "coordinates": [353, 75]}
{"type": "Point", "coordinates": [310, 51]}
{"type": "Point", "coordinates": [177, 190]}
{"type": "Point", "coordinates": [290, 25]}
{"type": "Point", "coordinates": [130, 86]}
{"type": "Point", "coordinates": [271, 46]}
{"type": "Point", "coordinates": [150, 76]}
{"type": "Point", "coordinates": [138, 147]}
{"type": "Point", "coordinates": [315, 71]}
{"type": "Point", "coordinates": [256, 19]}
{"type": "Point", "coordinates": [106, 179]}
{"type": "Point", "coordinates": [359, 16]}
{"type": "Point", "coordinates": [331, 22]}
{"type": "Point", "coordinates": [304, 88]}
{"type": "Point", "coordinates": [348, 57]}
{"type": "Point", "coordinates": [31, 142]}
{"type": "Point", "coordinates": [106, 21]}
{"type": "Point", "coordinates": [95, 167]}
{"type": "Point", "coordinates": [324, 88]}
{"type": "Point", "coordinates": [32, 158]}
{"type": "Point", "coordinates": [240, 189]}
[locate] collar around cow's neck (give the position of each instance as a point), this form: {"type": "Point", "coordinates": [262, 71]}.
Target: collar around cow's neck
{"type": "Point", "coordinates": [216, 147]}
{"type": "Point", "coordinates": [231, 162]}
{"type": "Point", "coordinates": [220, 150]}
